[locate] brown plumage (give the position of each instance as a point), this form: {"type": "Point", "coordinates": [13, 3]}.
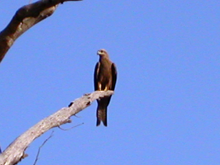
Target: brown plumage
{"type": "Point", "coordinates": [105, 76]}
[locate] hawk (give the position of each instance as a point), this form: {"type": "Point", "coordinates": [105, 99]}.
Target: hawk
{"type": "Point", "coordinates": [105, 76]}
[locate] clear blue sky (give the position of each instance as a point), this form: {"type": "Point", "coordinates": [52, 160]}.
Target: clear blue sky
{"type": "Point", "coordinates": [166, 107]}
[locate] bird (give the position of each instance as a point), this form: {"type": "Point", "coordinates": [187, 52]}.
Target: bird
{"type": "Point", "coordinates": [105, 76]}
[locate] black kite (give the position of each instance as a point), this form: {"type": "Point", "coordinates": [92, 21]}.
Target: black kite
{"type": "Point", "coordinates": [104, 79]}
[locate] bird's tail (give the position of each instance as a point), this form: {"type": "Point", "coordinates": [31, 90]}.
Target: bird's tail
{"type": "Point", "coordinates": [101, 116]}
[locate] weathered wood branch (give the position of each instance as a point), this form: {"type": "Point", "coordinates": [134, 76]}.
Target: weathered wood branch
{"type": "Point", "coordinates": [15, 151]}
{"type": "Point", "coordinates": [26, 17]}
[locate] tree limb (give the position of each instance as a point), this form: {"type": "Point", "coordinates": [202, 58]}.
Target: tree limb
{"type": "Point", "coordinates": [26, 17]}
{"type": "Point", "coordinates": [39, 149]}
{"type": "Point", "coordinates": [15, 151]}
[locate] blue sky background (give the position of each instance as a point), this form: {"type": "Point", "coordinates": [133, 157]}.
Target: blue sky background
{"type": "Point", "coordinates": [165, 109]}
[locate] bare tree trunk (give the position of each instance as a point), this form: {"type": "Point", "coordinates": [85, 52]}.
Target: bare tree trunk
{"type": "Point", "coordinates": [26, 17]}
{"type": "Point", "coordinates": [15, 151]}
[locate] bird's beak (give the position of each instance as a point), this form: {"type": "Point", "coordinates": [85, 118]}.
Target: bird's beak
{"type": "Point", "coordinates": [98, 53]}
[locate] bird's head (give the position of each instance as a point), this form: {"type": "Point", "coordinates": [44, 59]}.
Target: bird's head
{"type": "Point", "coordinates": [102, 52]}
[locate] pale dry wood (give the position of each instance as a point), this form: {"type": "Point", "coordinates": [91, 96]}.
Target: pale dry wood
{"type": "Point", "coordinates": [15, 151]}
{"type": "Point", "coordinates": [26, 17]}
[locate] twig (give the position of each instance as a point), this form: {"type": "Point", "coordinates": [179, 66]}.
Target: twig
{"type": "Point", "coordinates": [67, 129]}
{"type": "Point", "coordinates": [38, 152]}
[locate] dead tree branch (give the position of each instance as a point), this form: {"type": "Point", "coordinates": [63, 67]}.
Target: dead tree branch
{"type": "Point", "coordinates": [39, 149]}
{"type": "Point", "coordinates": [26, 17]}
{"type": "Point", "coordinates": [15, 151]}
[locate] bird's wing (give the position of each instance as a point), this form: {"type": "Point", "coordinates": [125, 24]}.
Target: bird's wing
{"type": "Point", "coordinates": [114, 75]}
{"type": "Point", "coordinates": [96, 73]}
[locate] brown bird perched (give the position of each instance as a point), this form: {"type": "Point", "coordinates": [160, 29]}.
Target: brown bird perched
{"type": "Point", "coordinates": [105, 76]}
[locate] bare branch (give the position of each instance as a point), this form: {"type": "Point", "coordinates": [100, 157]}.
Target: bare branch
{"type": "Point", "coordinates": [26, 17]}
{"type": "Point", "coordinates": [15, 151]}
{"type": "Point", "coordinates": [38, 152]}
{"type": "Point", "coordinates": [67, 129]}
